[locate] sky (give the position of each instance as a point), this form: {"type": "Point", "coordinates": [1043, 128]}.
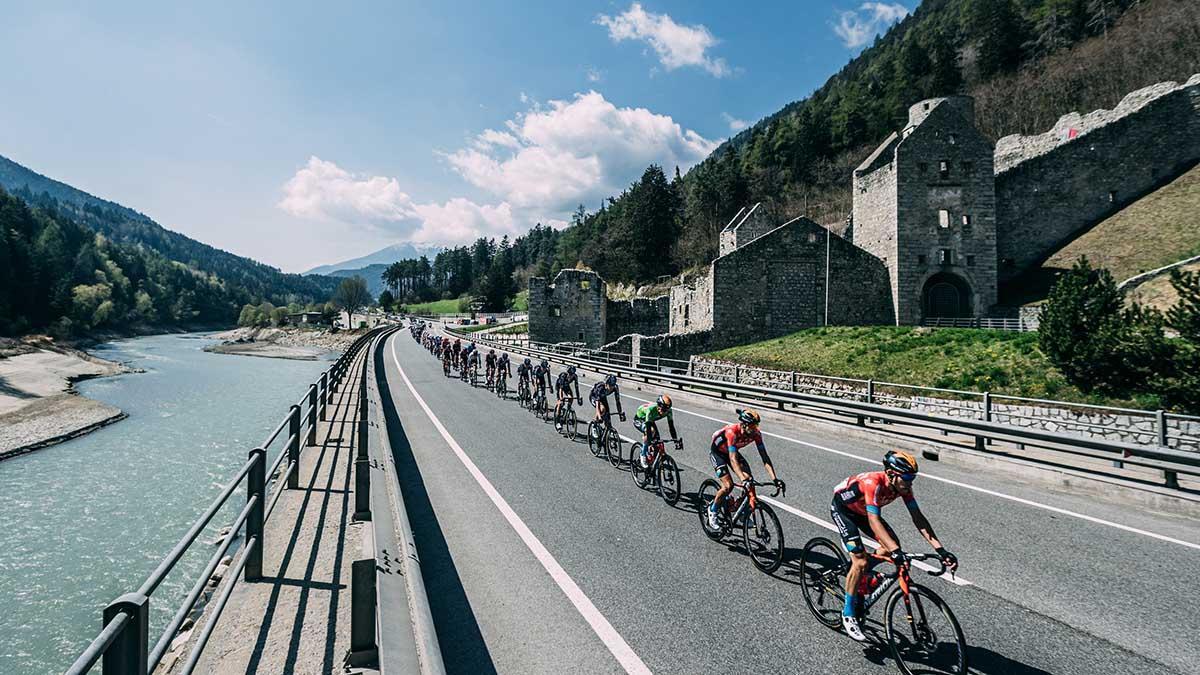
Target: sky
{"type": "Point", "coordinates": [303, 133]}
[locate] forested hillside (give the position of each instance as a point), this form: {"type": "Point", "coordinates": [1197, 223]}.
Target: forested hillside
{"type": "Point", "coordinates": [124, 225]}
{"type": "Point", "coordinates": [1026, 62]}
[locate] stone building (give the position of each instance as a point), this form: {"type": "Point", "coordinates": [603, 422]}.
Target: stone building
{"type": "Point", "coordinates": [925, 204]}
{"type": "Point", "coordinates": [940, 217]}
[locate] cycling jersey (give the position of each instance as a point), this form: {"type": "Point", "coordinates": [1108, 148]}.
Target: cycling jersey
{"type": "Point", "coordinates": [564, 382]}
{"type": "Point", "coordinates": [490, 360]}
{"type": "Point", "coordinates": [650, 413]}
{"type": "Point", "coordinates": [868, 493]}
{"type": "Point", "coordinates": [541, 375]}
{"type": "Point", "coordinates": [523, 371]}
{"type": "Point", "coordinates": [729, 438]}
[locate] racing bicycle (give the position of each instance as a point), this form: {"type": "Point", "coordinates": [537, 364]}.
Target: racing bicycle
{"type": "Point", "coordinates": [922, 632]}
{"type": "Point", "coordinates": [523, 397]}
{"type": "Point", "coordinates": [604, 439]}
{"type": "Point", "coordinates": [538, 405]}
{"type": "Point", "coordinates": [566, 416]}
{"type": "Point", "coordinates": [501, 385]}
{"type": "Point", "coordinates": [761, 533]}
{"type": "Point", "coordinates": [662, 470]}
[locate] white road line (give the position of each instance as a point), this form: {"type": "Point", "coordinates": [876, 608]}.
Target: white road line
{"type": "Point", "coordinates": [1019, 500]}
{"type": "Point", "coordinates": [604, 630]}
{"type": "Point", "coordinates": [817, 520]}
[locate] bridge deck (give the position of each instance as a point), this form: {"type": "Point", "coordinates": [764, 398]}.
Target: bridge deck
{"type": "Point", "coordinates": [297, 618]}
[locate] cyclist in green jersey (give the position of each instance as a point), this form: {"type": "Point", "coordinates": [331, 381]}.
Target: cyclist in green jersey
{"type": "Point", "coordinates": [644, 421]}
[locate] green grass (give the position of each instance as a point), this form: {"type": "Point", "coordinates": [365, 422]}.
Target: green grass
{"type": "Point", "coordinates": [435, 307]}
{"type": "Point", "coordinates": [973, 360]}
{"type": "Point", "coordinates": [521, 302]}
{"type": "Point", "coordinates": [514, 329]}
{"type": "Point", "coordinates": [1158, 229]}
{"type": "Point", "coordinates": [471, 329]}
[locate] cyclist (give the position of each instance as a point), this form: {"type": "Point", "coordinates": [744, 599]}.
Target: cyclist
{"type": "Point", "coordinates": [644, 421]}
{"type": "Point", "coordinates": [599, 398]}
{"type": "Point", "coordinates": [541, 376]}
{"type": "Point", "coordinates": [470, 361]}
{"type": "Point", "coordinates": [724, 455]}
{"type": "Point", "coordinates": [489, 363]}
{"type": "Point", "coordinates": [503, 371]}
{"type": "Point", "coordinates": [524, 372]}
{"type": "Point", "coordinates": [447, 360]}
{"type": "Point", "coordinates": [562, 389]}
{"type": "Point", "coordinates": [457, 349]}
{"type": "Point", "coordinates": [856, 510]}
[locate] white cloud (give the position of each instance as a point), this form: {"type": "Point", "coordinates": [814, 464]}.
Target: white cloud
{"type": "Point", "coordinates": [322, 190]}
{"type": "Point", "coordinates": [735, 125]}
{"type": "Point", "coordinates": [675, 44]}
{"type": "Point", "coordinates": [576, 151]}
{"type": "Point", "coordinates": [524, 97]}
{"type": "Point", "coordinates": [491, 137]}
{"type": "Point", "coordinates": [594, 75]}
{"type": "Point", "coordinates": [858, 28]}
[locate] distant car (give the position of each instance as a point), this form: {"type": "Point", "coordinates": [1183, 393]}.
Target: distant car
{"type": "Point", "coordinates": [490, 320]}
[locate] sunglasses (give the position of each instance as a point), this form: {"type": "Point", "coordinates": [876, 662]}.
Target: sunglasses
{"type": "Point", "coordinates": [907, 477]}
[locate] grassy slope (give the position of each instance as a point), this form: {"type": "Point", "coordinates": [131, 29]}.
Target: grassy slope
{"type": "Point", "coordinates": [521, 302]}
{"type": "Point", "coordinates": [514, 329]}
{"type": "Point", "coordinates": [1159, 229]}
{"type": "Point", "coordinates": [435, 307]}
{"type": "Point", "coordinates": [978, 360]}
{"type": "Point", "coordinates": [1158, 292]}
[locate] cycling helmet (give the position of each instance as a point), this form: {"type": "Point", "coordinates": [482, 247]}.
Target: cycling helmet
{"type": "Point", "coordinates": [544, 363]}
{"type": "Point", "coordinates": [491, 351]}
{"type": "Point", "coordinates": [611, 380]}
{"type": "Point", "coordinates": [748, 417]}
{"type": "Point", "coordinates": [527, 362]}
{"type": "Point", "coordinates": [570, 370]}
{"type": "Point", "coordinates": [664, 402]}
{"type": "Point", "coordinates": [900, 462]}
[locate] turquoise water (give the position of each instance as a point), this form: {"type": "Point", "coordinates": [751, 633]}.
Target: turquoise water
{"type": "Point", "coordinates": [87, 520]}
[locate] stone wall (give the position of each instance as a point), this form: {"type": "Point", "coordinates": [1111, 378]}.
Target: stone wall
{"type": "Point", "coordinates": [682, 347]}
{"type": "Point", "coordinates": [1051, 186]}
{"type": "Point", "coordinates": [874, 221]}
{"type": "Point", "coordinates": [572, 309]}
{"type": "Point", "coordinates": [647, 316]}
{"type": "Point", "coordinates": [691, 305]}
{"type": "Point", "coordinates": [746, 228]}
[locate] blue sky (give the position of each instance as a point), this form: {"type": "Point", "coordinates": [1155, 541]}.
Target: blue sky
{"type": "Point", "coordinates": [304, 133]}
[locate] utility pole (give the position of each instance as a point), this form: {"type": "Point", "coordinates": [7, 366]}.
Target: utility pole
{"type": "Point", "coordinates": [827, 235]}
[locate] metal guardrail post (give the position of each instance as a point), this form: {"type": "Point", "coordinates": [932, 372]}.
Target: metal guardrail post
{"type": "Point", "coordinates": [293, 448]}
{"type": "Point", "coordinates": [312, 414]}
{"type": "Point", "coordinates": [362, 461]}
{"type": "Point", "coordinates": [1170, 478]}
{"type": "Point", "coordinates": [737, 374]}
{"type": "Point", "coordinates": [324, 394]}
{"type": "Point", "coordinates": [128, 652]}
{"type": "Point", "coordinates": [363, 649]}
{"type": "Point", "coordinates": [987, 417]}
{"type": "Point", "coordinates": [256, 486]}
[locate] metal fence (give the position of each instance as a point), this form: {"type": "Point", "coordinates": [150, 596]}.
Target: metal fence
{"type": "Point", "coordinates": [123, 644]}
{"type": "Point", "coordinates": [1019, 325]}
{"type": "Point", "coordinates": [974, 413]}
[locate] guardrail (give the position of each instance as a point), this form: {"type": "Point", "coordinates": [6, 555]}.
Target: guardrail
{"type": "Point", "coordinates": [123, 645]}
{"type": "Point", "coordinates": [1009, 324]}
{"type": "Point", "coordinates": [1158, 456]}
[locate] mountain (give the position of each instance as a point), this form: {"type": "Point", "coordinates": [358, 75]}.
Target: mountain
{"type": "Point", "coordinates": [127, 226]}
{"type": "Point", "coordinates": [372, 274]}
{"type": "Point", "coordinates": [384, 256]}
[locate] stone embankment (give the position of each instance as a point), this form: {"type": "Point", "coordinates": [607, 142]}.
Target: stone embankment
{"type": "Point", "coordinates": [1108, 424]}
{"type": "Point", "coordinates": [283, 343]}
{"type": "Point", "coordinates": [38, 405]}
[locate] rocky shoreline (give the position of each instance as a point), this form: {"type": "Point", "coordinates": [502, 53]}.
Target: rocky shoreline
{"type": "Point", "coordinates": [282, 343]}
{"type": "Point", "coordinates": [38, 404]}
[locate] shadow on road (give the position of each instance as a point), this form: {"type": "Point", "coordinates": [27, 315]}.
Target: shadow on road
{"type": "Point", "coordinates": [463, 647]}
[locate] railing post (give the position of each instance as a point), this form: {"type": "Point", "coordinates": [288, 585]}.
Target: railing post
{"type": "Point", "coordinates": [871, 391]}
{"type": "Point", "coordinates": [1171, 478]}
{"type": "Point", "coordinates": [293, 448]}
{"type": "Point", "coordinates": [363, 650]}
{"type": "Point", "coordinates": [793, 381]}
{"type": "Point", "coordinates": [362, 461]}
{"type": "Point", "coordinates": [324, 394]}
{"type": "Point", "coordinates": [737, 374]}
{"type": "Point", "coordinates": [987, 417]}
{"type": "Point", "coordinates": [128, 653]}
{"type": "Point", "coordinates": [256, 487]}
{"type": "Point", "coordinates": [312, 414]}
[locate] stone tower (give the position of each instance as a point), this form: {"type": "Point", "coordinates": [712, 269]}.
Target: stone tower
{"type": "Point", "coordinates": [925, 203]}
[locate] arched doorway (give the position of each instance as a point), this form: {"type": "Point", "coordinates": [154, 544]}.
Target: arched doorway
{"type": "Point", "coordinates": [946, 296]}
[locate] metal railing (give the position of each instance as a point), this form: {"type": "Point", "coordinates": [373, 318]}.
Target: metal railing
{"type": "Point", "coordinates": [1009, 324]}
{"type": "Point", "coordinates": [123, 644]}
{"type": "Point", "coordinates": [872, 403]}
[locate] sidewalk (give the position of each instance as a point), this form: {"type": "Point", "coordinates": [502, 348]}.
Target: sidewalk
{"type": "Point", "coordinates": [296, 619]}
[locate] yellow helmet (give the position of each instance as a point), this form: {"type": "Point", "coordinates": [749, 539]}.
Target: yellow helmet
{"type": "Point", "coordinates": [900, 462]}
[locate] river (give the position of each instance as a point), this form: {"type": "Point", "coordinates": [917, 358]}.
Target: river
{"type": "Point", "coordinates": [87, 520]}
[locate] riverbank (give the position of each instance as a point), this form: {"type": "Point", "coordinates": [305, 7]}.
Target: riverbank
{"type": "Point", "coordinates": [38, 404]}
{"type": "Point", "coordinates": [304, 344]}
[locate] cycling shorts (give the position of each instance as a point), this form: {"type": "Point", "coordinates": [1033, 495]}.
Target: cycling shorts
{"type": "Point", "coordinates": [719, 459]}
{"type": "Point", "coordinates": [851, 526]}
{"type": "Point", "coordinates": [648, 428]}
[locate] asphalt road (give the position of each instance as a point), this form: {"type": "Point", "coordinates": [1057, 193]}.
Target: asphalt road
{"type": "Point", "coordinates": [540, 558]}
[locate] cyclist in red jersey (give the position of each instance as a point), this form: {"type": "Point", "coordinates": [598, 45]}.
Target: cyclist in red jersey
{"type": "Point", "coordinates": [856, 507]}
{"type": "Point", "coordinates": [724, 455]}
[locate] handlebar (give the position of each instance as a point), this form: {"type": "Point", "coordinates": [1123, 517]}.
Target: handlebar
{"type": "Point", "coordinates": [746, 485]}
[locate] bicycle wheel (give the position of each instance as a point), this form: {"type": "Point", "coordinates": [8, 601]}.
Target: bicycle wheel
{"type": "Point", "coordinates": [708, 490]}
{"type": "Point", "coordinates": [823, 580]}
{"type": "Point", "coordinates": [763, 537]}
{"type": "Point", "coordinates": [639, 473]}
{"type": "Point", "coordinates": [570, 422]}
{"type": "Point", "coordinates": [595, 438]}
{"type": "Point", "coordinates": [668, 480]}
{"type": "Point", "coordinates": [613, 443]}
{"type": "Point", "coordinates": [930, 641]}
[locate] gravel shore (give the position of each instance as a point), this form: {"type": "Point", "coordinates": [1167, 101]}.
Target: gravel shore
{"type": "Point", "coordinates": [38, 406]}
{"type": "Point", "coordinates": [282, 343]}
